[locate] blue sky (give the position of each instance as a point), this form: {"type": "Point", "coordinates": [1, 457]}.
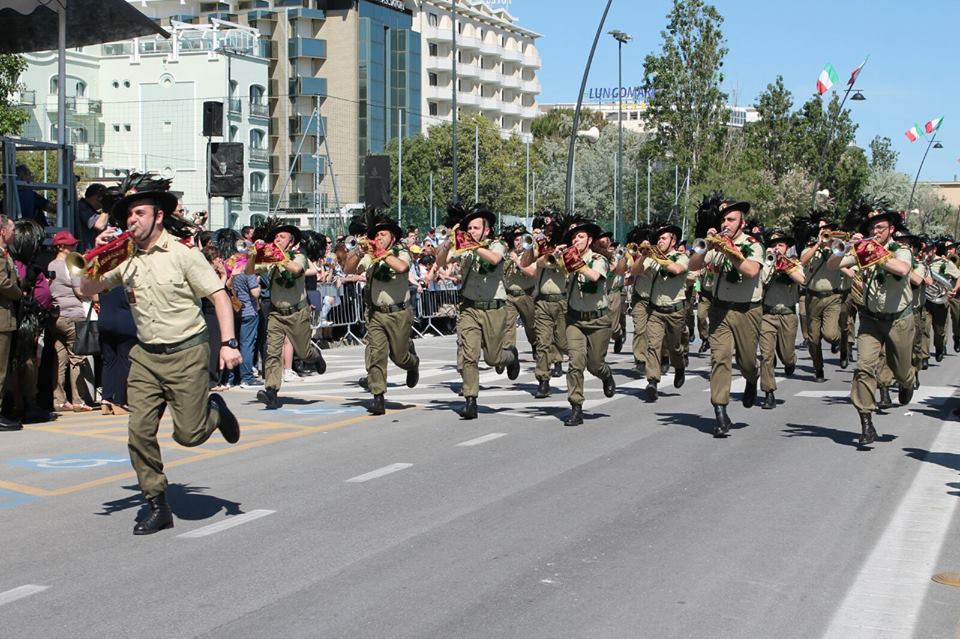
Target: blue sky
{"type": "Point", "coordinates": [910, 78]}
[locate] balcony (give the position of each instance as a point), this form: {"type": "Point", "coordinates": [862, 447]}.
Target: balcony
{"type": "Point", "coordinates": [490, 104]}
{"type": "Point", "coordinates": [438, 93]}
{"type": "Point", "coordinates": [308, 164]}
{"type": "Point", "coordinates": [27, 98]}
{"type": "Point", "coordinates": [301, 125]}
{"type": "Point", "coordinates": [531, 60]}
{"type": "Point", "coordinates": [439, 63]}
{"type": "Point", "coordinates": [234, 106]}
{"type": "Point", "coordinates": [438, 34]}
{"type": "Point", "coordinates": [88, 152]}
{"type": "Point", "coordinates": [490, 48]}
{"type": "Point", "coordinates": [302, 201]}
{"type": "Point", "coordinates": [468, 99]}
{"type": "Point", "coordinates": [77, 105]}
{"type": "Point", "coordinates": [307, 48]}
{"type": "Point", "coordinates": [468, 43]}
{"type": "Point", "coordinates": [308, 86]}
{"type": "Point", "coordinates": [511, 81]}
{"type": "Point", "coordinates": [258, 199]}
{"type": "Point", "coordinates": [465, 70]}
{"type": "Point", "coordinates": [510, 108]}
{"type": "Point", "coordinates": [512, 55]}
{"type": "Point", "coordinates": [530, 86]}
{"type": "Point", "coordinates": [259, 155]}
{"type": "Point", "coordinates": [530, 112]}
{"type": "Point", "coordinates": [259, 110]}
{"type": "Point", "coordinates": [490, 76]}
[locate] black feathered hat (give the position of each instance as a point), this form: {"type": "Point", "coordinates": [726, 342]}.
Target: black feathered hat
{"type": "Point", "coordinates": [577, 224]}
{"type": "Point", "coordinates": [134, 188]}
{"type": "Point", "coordinates": [509, 233]}
{"type": "Point", "coordinates": [462, 215]}
{"type": "Point", "coordinates": [383, 223]}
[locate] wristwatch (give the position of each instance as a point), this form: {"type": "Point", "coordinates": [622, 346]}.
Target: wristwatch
{"type": "Point", "coordinates": [230, 343]}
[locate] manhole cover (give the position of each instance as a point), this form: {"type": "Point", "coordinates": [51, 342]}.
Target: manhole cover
{"type": "Point", "coordinates": [948, 578]}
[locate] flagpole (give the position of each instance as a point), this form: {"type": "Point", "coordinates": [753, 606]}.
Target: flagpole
{"type": "Point", "coordinates": [914, 189]}
{"type": "Point", "coordinates": [833, 126]}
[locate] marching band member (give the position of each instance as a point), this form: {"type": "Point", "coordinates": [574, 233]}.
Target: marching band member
{"type": "Point", "coordinates": [778, 331]}
{"type": "Point", "coordinates": [735, 312]}
{"type": "Point", "coordinates": [640, 298]}
{"type": "Point", "coordinates": [940, 266]}
{"type": "Point", "coordinates": [483, 314]}
{"type": "Point", "coordinates": [606, 246]}
{"type": "Point", "coordinates": [519, 281]}
{"type": "Point", "coordinates": [162, 280]}
{"type": "Point", "coordinates": [588, 316]}
{"type": "Point", "coordinates": [549, 307]}
{"type": "Point", "coordinates": [667, 267]}
{"type": "Point", "coordinates": [885, 319]}
{"type": "Point", "coordinates": [289, 315]}
{"type": "Point", "coordinates": [822, 300]}
{"type": "Point", "coordinates": [386, 263]}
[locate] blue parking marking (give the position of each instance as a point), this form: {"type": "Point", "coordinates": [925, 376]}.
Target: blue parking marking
{"type": "Point", "coordinates": [12, 499]}
{"type": "Point", "coordinates": [77, 461]}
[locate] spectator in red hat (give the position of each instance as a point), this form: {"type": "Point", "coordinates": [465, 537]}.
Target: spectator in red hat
{"type": "Point", "coordinates": [66, 297]}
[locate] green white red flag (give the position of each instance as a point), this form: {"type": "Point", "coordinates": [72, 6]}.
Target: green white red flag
{"type": "Point", "coordinates": [913, 133]}
{"type": "Point", "coordinates": [827, 77]}
{"type": "Point", "coordinates": [933, 125]}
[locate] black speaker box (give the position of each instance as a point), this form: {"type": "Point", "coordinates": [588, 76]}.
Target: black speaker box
{"type": "Point", "coordinates": [213, 119]}
{"type": "Point", "coordinates": [376, 180]}
{"type": "Point", "coordinates": [225, 169]}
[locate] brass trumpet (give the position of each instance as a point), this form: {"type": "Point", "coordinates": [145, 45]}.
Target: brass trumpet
{"type": "Point", "coordinates": [829, 236]}
{"type": "Point", "coordinates": [102, 259]}
{"type": "Point", "coordinates": [441, 233]}
{"type": "Point", "coordinates": [842, 246]}
{"type": "Point", "coordinates": [527, 242]}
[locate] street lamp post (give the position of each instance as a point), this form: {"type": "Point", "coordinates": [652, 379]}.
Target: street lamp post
{"type": "Point", "coordinates": [453, 82]}
{"type": "Point", "coordinates": [621, 38]}
{"type": "Point", "coordinates": [858, 97]}
{"type": "Point", "coordinates": [931, 143]}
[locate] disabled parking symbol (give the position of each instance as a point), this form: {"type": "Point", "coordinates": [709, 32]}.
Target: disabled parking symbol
{"type": "Point", "coordinates": [79, 461]}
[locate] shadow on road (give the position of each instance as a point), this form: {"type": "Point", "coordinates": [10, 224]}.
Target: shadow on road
{"type": "Point", "coordinates": [844, 437]}
{"type": "Point", "coordinates": [186, 502]}
{"type": "Point", "coordinates": [947, 460]}
{"type": "Point", "coordinates": [693, 420]}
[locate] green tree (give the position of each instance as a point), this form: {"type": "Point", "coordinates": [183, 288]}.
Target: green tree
{"type": "Point", "coordinates": [687, 109]}
{"type": "Point", "coordinates": [811, 126]}
{"type": "Point", "coordinates": [557, 123]}
{"type": "Point", "coordinates": [882, 155]}
{"type": "Point", "coordinates": [770, 139]}
{"type": "Point", "coordinates": [12, 117]}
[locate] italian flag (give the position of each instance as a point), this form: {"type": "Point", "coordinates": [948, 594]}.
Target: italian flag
{"type": "Point", "coordinates": [913, 133]}
{"type": "Point", "coordinates": [827, 77]}
{"type": "Point", "coordinates": [854, 74]}
{"type": "Point", "coordinates": [933, 125]}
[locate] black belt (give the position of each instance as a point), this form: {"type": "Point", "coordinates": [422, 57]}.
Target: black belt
{"type": "Point", "coordinates": [551, 297]}
{"type": "Point", "coordinates": [167, 349]}
{"type": "Point", "coordinates": [482, 305]}
{"type": "Point", "coordinates": [639, 299]}
{"type": "Point", "coordinates": [669, 308]}
{"type": "Point", "coordinates": [519, 293]}
{"type": "Point", "coordinates": [741, 307]}
{"type": "Point", "coordinates": [290, 310]}
{"type": "Point", "coordinates": [822, 293]}
{"type": "Point", "coordinates": [583, 316]}
{"type": "Point", "coordinates": [888, 317]}
{"type": "Point", "coordinates": [390, 308]}
{"type": "Point", "coordinates": [772, 310]}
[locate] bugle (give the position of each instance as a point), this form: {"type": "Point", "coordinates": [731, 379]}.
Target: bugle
{"type": "Point", "coordinates": [102, 259]}
{"type": "Point", "coordinates": [937, 292]}
{"type": "Point", "coordinates": [441, 233]}
{"type": "Point", "coordinates": [527, 242]}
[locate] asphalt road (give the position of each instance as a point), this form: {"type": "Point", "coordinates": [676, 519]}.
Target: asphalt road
{"type": "Point", "coordinates": [326, 522]}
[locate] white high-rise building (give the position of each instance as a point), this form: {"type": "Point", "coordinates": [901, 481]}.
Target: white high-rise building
{"type": "Point", "coordinates": [497, 63]}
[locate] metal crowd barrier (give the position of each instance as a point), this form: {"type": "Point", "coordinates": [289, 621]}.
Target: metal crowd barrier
{"type": "Point", "coordinates": [435, 303]}
{"type": "Point", "coordinates": [347, 311]}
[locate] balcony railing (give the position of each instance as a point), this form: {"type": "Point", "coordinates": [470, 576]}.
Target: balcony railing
{"type": "Point", "coordinates": [88, 152]}
{"type": "Point", "coordinates": [259, 109]}
{"type": "Point", "coordinates": [259, 155]}
{"type": "Point", "coordinates": [235, 106]}
{"type": "Point", "coordinates": [259, 199]}
{"type": "Point", "coordinates": [27, 98]}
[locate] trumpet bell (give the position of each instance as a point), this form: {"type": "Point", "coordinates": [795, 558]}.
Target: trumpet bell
{"type": "Point", "coordinates": [76, 265]}
{"type": "Point", "coordinates": [527, 242]}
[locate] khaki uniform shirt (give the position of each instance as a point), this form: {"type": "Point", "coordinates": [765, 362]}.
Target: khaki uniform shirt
{"type": "Point", "coordinates": [9, 294]}
{"type": "Point", "coordinates": [708, 279]}
{"type": "Point", "coordinates": [919, 290]}
{"type": "Point", "coordinates": [514, 279]}
{"type": "Point", "coordinates": [781, 293]}
{"type": "Point", "coordinates": [162, 285]}
{"type": "Point", "coordinates": [730, 284]}
{"type": "Point", "coordinates": [942, 266]}
{"type": "Point", "coordinates": [668, 288]}
{"type": "Point", "coordinates": [551, 280]}
{"type": "Point", "coordinates": [387, 287]}
{"type": "Point", "coordinates": [884, 292]}
{"type": "Point", "coordinates": [821, 279]}
{"type": "Point", "coordinates": [282, 296]}
{"type": "Point", "coordinates": [643, 281]}
{"type": "Point", "coordinates": [483, 282]}
{"type": "Point", "coordinates": [585, 295]}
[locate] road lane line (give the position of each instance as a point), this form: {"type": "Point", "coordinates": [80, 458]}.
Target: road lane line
{"type": "Point", "coordinates": [892, 584]}
{"type": "Point", "coordinates": [482, 440]}
{"type": "Point", "coordinates": [380, 472]}
{"type": "Point", "coordinates": [20, 592]}
{"type": "Point", "coordinates": [226, 524]}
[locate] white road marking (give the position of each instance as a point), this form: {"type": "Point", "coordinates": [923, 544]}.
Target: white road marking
{"type": "Point", "coordinates": [888, 593]}
{"type": "Point", "coordinates": [380, 472]}
{"type": "Point", "coordinates": [20, 592]}
{"type": "Point", "coordinates": [482, 440]}
{"type": "Point", "coordinates": [227, 523]}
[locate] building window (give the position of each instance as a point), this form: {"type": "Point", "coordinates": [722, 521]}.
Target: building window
{"type": "Point", "coordinates": [433, 79]}
{"type": "Point", "coordinates": [460, 28]}
{"type": "Point", "coordinates": [258, 182]}
{"type": "Point", "coordinates": [127, 127]}
{"type": "Point", "coordinates": [634, 115]}
{"type": "Point", "coordinates": [256, 94]}
{"type": "Point", "coordinates": [433, 50]}
{"type": "Point", "coordinates": [432, 106]}
{"type": "Point", "coordinates": [433, 19]}
{"type": "Point", "coordinates": [256, 139]}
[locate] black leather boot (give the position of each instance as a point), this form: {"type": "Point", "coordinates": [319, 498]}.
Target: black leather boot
{"type": "Point", "coordinates": [364, 383]}
{"type": "Point", "coordinates": [885, 401]}
{"type": "Point", "coordinates": [268, 397]}
{"type": "Point", "coordinates": [640, 368]}
{"type": "Point", "coordinates": [576, 416]}
{"type": "Point", "coordinates": [956, 343]}
{"type": "Point", "coordinates": [844, 355]}
{"type": "Point", "coordinates": [158, 518]}
{"type": "Point", "coordinates": [704, 345]}
{"type": "Point", "coordinates": [227, 422]}
{"type": "Point", "coordinates": [413, 375]}
{"type": "Point", "coordinates": [651, 391]}
{"type": "Point", "coordinates": [905, 394]}
{"type": "Point", "coordinates": [543, 389]}
{"type": "Point", "coordinates": [617, 344]}
{"type": "Point", "coordinates": [376, 407]}
{"type": "Point", "coordinates": [925, 363]}
{"type": "Point", "coordinates": [769, 401]}
{"type": "Point", "coordinates": [722, 426]}
{"type": "Point", "coordinates": [868, 434]}
{"type": "Point", "coordinates": [321, 364]}
{"type": "Point", "coordinates": [679, 377]}
{"type": "Point", "coordinates": [513, 368]}
{"type": "Point", "coordinates": [750, 394]}
{"type": "Point", "coordinates": [557, 370]}
{"type": "Point", "coordinates": [818, 376]}
{"type": "Point", "coordinates": [609, 386]}
{"type": "Point", "coordinates": [9, 424]}
{"type": "Point", "coordinates": [835, 348]}
{"type": "Point", "coordinates": [469, 408]}
{"type": "Point", "coordinates": [788, 369]}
